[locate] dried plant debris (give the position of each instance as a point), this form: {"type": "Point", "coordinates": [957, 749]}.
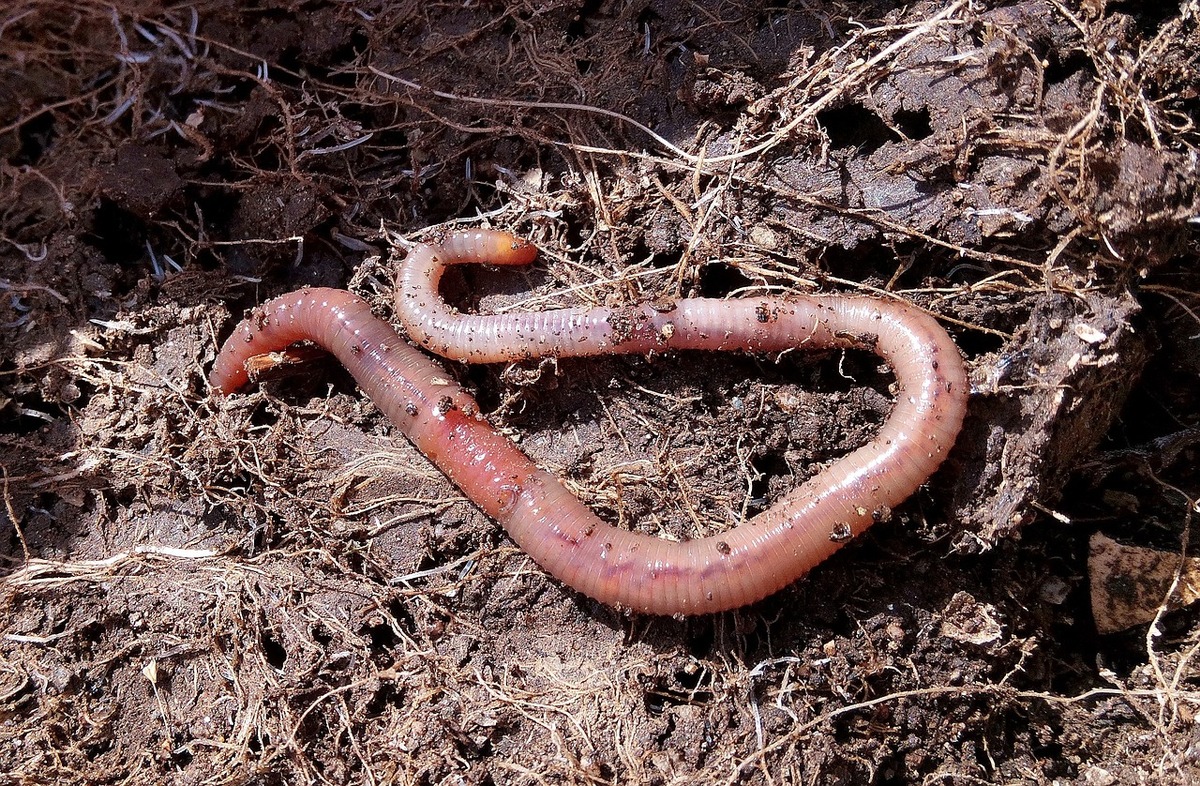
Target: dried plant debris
{"type": "Point", "coordinates": [1133, 585]}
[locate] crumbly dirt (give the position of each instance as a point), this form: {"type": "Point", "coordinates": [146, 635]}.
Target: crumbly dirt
{"type": "Point", "coordinates": [273, 588]}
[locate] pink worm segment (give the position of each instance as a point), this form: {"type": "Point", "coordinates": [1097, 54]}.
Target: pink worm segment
{"type": "Point", "coordinates": [642, 572]}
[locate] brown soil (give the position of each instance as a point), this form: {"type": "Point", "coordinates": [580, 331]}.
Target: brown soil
{"type": "Point", "coordinates": [273, 589]}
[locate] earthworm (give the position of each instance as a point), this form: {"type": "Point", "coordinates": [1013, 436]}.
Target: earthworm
{"type": "Point", "coordinates": [642, 572]}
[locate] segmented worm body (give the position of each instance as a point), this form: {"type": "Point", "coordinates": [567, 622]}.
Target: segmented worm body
{"type": "Point", "coordinates": [613, 565]}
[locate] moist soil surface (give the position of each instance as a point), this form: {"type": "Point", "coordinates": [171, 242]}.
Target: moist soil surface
{"type": "Point", "coordinates": [274, 587]}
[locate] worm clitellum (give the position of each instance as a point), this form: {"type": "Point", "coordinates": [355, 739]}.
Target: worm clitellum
{"type": "Point", "coordinates": [642, 572]}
